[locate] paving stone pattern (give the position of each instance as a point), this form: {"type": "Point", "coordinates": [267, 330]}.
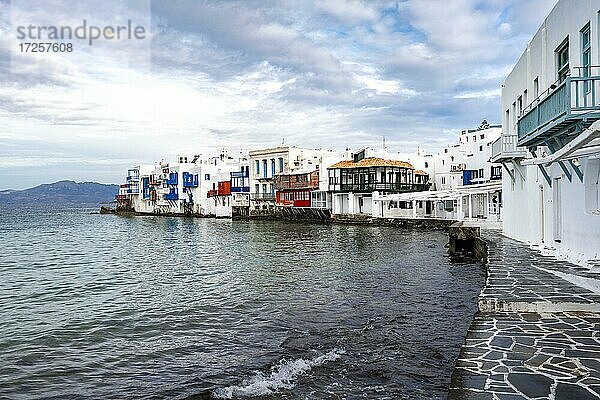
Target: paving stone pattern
{"type": "Point", "coordinates": [529, 355]}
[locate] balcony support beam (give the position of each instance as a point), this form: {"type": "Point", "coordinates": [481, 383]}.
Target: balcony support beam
{"type": "Point", "coordinates": [576, 169]}
{"type": "Point", "coordinates": [543, 171]}
{"type": "Point", "coordinates": [560, 163]}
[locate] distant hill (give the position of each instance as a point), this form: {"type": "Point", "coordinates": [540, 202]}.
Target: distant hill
{"type": "Point", "coordinates": [62, 192]}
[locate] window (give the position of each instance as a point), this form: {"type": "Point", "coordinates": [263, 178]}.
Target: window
{"type": "Point", "coordinates": [451, 158]}
{"type": "Point", "coordinates": [520, 104]}
{"type": "Point", "coordinates": [507, 120]}
{"type": "Point", "coordinates": [474, 138]}
{"type": "Point", "coordinates": [264, 168]}
{"type": "Point", "coordinates": [207, 177]}
{"type": "Point", "coordinates": [445, 150]}
{"type": "Point", "coordinates": [536, 87]}
{"type": "Point", "coordinates": [443, 180]}
{"type": "Point", "coordinates": [482, 136]}
{"type": "Point", "coordinates": [257, 169]}
{"type": "Point", "coordinates": [586, 57]}
{"type": "Point", "coordinates": [273, 167]}
{"type": "Point", "coordinates": [256, 188]}
{"type": "Point", "coordinates": [426, 164]}
{"type": "Point", "coordinates": [562, 61]}
{"type": "Point", "coordinates": [480, 148]}
{"type": "Point", "coordinates": [525, 104]}
{"type": "Point", "coordinates": [280, 164]}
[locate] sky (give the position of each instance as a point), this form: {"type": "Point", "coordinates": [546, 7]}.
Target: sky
{"type": "Point", "coordinates": [248, 74]}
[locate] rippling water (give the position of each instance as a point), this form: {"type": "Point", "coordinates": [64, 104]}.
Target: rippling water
{"type": "Point", "coordinates": [101, 306]}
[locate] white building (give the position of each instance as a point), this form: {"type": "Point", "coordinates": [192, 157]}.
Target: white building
{"type": "Point", "coordinates": [353, 183]}
{"type": "Point", "coordinates": [467, 162]}
{"type": "Point", "coordinates": [551, 158]}
{"type": "Point", "coordinates": [182, 187]}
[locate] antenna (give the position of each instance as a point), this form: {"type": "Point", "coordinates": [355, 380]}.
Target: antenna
{"type": "Point", "coordinates": [384, 149]}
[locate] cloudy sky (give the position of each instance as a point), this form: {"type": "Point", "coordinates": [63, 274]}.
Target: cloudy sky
{"type": "Point", "coordinates": [251, 73]}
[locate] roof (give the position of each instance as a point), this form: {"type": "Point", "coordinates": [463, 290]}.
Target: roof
{"type": "Point", "coordinates": [420, 172]}
{"type": "Point", "coordinates": [371, 162]}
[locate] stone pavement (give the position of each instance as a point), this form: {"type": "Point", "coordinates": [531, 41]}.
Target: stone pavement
{"type": "Point", "coordinates": [536, 336]}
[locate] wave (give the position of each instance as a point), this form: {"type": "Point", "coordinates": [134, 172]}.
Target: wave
{"type": "Point", "coordinates": [282, 376]}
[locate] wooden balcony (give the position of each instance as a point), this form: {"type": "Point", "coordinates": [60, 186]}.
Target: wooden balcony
{"type": "Point", "coordinates": [505, 148]}
{"type": "Point", "coordinates": [567, 107]}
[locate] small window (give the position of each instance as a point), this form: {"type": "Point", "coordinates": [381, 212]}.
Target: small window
{"type": "Point", "coordinates": [426, 164]}
{"type": "Point", "coordinates": [482, 136]}
{"type": "Point", "coordinates": [207, 177]}
{"type": "Point", "coordinates": [480, 148]}
{"type": "Point", "coordinates": [536, 87]}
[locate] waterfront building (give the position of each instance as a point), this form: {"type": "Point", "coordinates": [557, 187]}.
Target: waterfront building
{"type": "Point", "coordinates": [295, 188]}
{"type": "Point", "coordinates": [352, 183]}
{"type": "Point", "coordinates": [267, 164]}
{"type": "Point", "coordinates": [550, 146]}
{"type": "Point", "coordinates": [188, 186]}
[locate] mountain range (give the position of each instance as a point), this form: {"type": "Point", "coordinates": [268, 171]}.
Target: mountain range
{"type": "Point", "coordinates": [62, 192]}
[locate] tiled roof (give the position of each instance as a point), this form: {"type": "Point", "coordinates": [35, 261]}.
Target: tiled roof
{"type": "Point", "coordinates": [372, 162]}
{"type": "Point", "coordinates": [420, 172]}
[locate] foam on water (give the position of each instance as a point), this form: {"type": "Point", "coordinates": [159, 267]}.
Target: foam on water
{"type": "Point", "coordinates": [282, 376]}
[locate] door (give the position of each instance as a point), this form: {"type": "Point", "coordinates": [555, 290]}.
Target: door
{"type": "Point", "coordinates": [557, 209]}
{"type": "Point", "coordinates": [542, 205]}
{"type": "Point", "coordinates": [428, 207]}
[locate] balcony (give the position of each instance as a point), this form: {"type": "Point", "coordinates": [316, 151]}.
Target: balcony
{"type": "Point", "coordinates": [570, 104]}
{"type": "Point", "coordinates": [240, 174]}
{"type": "Point", "coordinates": [505, 149]}
{"type": "Point", "coordinates": [240, 189]}
{"type": "Point", "coordinates": [132, 178]}
{"type": "Point", "coordinates": [190, 180]}
{"type": "Point", "coordinates": [263, 196]}
{"type": "Point", "coordinates": [384, 187]}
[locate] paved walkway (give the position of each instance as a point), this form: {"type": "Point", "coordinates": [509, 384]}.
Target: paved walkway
{"type": "Point", "coordinates": [537, 335]}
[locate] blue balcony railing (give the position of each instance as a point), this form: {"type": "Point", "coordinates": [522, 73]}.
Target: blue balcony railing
{"type": "Point", "coordinates": [560, 107]}
{"type": "Point", "coordinates": [240, 189]}
{"type": "Point", "coordinates": [190, 180]}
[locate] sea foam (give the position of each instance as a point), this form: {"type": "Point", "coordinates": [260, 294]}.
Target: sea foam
{"type": "Point", "coordinates": [282, 376]}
